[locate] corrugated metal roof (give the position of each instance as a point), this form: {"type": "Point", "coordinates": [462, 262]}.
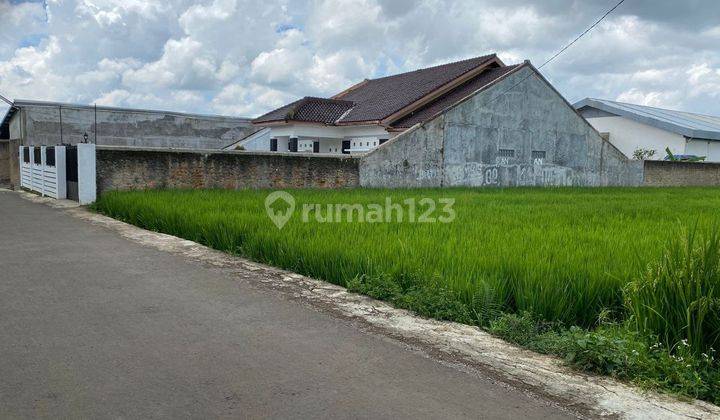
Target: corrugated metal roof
{"type": "Point", "coordinates": [684, 123]}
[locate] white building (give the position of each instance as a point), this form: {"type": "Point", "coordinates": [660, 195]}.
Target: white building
{"type": "Point", "coordinates": [369, 113]}
{"type": "Point", "coordinates": [630, 127]}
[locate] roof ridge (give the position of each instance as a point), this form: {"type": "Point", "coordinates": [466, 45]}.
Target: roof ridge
{"type": "Point", "coordinates": [656, 107]}
{"type": "Point", "coordinates": [684, 123]}
{"type": "Point", "coordinates": [486, 58]}
{"type": "Point", "coordinates": [317, 98]}
{"type": "Point", "coordinates": [497, 74]}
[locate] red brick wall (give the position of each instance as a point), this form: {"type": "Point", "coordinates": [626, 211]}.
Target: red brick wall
{"type": "Point", "coordinates": [681, 174]}
{"type": "Point", "coordinates": [128, 168]}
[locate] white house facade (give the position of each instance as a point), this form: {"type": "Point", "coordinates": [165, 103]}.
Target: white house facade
{"type": "Point", "coordinates": [630, 127]}
{"type": "Point", "coordinates": [315, 139]}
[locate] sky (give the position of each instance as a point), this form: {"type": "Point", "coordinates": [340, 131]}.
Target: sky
{"type": "Point", "coordinates": [246, 57]}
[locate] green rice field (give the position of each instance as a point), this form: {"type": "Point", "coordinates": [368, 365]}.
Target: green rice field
{"type": "Point", "coordinates": [563, 254]}
{"type": "Point", "coordinates": [622, 282]}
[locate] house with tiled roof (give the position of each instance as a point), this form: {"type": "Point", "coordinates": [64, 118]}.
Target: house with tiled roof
{"type": "Point", "coordinates": [476, 122]}
{"type": "Point", "coordinates": [373, 111]}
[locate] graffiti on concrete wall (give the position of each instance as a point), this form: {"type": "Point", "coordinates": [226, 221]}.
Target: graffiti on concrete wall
{"type": "Point", "coordinates": [477, 174]}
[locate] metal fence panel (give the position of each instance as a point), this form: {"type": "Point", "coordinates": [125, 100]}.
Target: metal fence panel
{"type": "Point", "coordinates": [43, 175]}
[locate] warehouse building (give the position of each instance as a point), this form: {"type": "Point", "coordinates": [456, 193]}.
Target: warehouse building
{"type": "Point", "coordinates": [49, 123]}
{"type": "Point", "coordinates": [632, 128]}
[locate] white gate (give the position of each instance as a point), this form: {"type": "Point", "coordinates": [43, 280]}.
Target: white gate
{"type": "Point", "coordinates": [42, 169]}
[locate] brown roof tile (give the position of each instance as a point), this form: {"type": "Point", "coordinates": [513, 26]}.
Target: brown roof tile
{"type": "Point", "coordinates": [440, 104]}
{"type": "Point", "coordinates": [380, 98]}
{"type": "Point", "coordinates": [309, 109]}
{"type": "Point", "coordinates": [375, 99]}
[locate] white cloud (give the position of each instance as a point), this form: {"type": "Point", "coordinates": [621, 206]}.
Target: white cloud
{"type": "Point", "coordinates": [183, 65]}
{"type": "Point", "coordinates": [29, 73]}
{"type": "Point", "coordinates": [281, 65]}
{"type": "Point", "coordinates": [244, 57]}
{"type": "Point", "coordinates": [241, 100]}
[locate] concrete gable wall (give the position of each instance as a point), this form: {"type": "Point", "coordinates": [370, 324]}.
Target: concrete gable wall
{"type": "Point", "coordinates": [412, 159]}
{"type": "Point", "coordinates": [460, 147]}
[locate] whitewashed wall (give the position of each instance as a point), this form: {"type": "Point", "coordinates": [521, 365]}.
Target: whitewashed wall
{"type": "Point", "coordinates": [87, 177]}
{"type": "Point", "coordinates": [628, 135]}
{"type": "Point", "coordinates": [708, 148]}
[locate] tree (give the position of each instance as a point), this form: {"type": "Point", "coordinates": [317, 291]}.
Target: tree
{"type": "Point", "coordinates": [643, 154]}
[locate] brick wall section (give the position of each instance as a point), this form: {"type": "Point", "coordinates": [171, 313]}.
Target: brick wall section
{"type": "Point", "coordinates": [14, 164]}
{"type": "Point", "coordinates": [681, 174]}
{"type": "Point", "coordinates": [4, 163]}
{"type": "Point", "coordinates": [130, 168]}
{"type": "Point", "coordinates": [9, 165]}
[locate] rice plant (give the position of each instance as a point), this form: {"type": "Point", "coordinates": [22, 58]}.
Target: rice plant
{"type": "Point", "coordinates": [563, 254]}
{"type": "Point", "coordinates": [678, 297]}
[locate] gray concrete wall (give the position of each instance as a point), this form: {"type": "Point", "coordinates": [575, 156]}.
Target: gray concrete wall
{"type": "Point", "coordinates": [681, 174]}
{"type": "Point", "coordinates": [522, 113]}
{"type": "Point", "coordinates": [122, 168]}
{"type": "Point", "coordinates": [412, 159]}
{"type": "Point", "coordinates": [40, 124]}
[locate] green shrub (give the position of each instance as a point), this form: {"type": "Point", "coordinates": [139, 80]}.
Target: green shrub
{"type": "Point", "coordinates": [618, 351]}
{"type": "Point", "coordinates": [678, 297]}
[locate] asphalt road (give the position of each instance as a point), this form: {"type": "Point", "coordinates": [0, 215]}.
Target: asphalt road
{"type": "Point", "coordinates": [95, 326]}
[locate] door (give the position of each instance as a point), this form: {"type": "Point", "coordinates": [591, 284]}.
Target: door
{"type": "Point", "coordinates": [316, 147]}
{"type": "Point", "coordinates": [71, 172]}
{"type": "Point", "coordinates": [346, 147]}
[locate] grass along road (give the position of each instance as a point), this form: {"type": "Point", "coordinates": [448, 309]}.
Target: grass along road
{"type": "Point", "coordinates": [543, 268]}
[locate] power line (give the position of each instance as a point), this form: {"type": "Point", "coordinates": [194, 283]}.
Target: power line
{"type": "Point", "coordinates": [582, 34]}
{"type": "Point", "coordinates": [557, 54]}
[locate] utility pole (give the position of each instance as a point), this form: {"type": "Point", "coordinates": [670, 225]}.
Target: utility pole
{"type": "Point", "coordinates": [61, 133]}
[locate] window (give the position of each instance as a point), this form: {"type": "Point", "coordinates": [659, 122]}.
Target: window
{"type": "Point", "coordinates": [506, 153]}
{"type": "Point", "coordinates": [538, 154]}
{"type": "Point", "coordinates": [273, 145]}
{"type": "Point", "coordinates": [50, 156]}
{"type": "Point", "coordinates": [26, 154]}
{"type": "Point", "coordinates": [36, 155]}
